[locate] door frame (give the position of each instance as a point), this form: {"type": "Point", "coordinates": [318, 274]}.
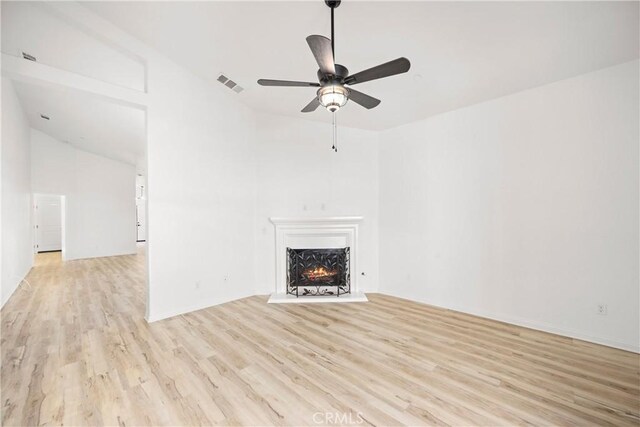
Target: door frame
{"type": "Point", "coordinates": [34, 224]}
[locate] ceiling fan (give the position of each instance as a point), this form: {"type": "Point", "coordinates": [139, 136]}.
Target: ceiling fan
{"type": "Point", "coordinates": [333, 78]}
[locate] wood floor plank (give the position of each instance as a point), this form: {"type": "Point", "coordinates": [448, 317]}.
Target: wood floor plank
{"type": "Point", "coordinates": [76, 350]}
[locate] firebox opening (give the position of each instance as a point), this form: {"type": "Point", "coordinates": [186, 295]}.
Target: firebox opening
{"type": "Point", "coordinates": [317, 272]}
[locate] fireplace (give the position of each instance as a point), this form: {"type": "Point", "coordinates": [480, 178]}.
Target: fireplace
{"type": "Point", "coordinates": [318, 272]}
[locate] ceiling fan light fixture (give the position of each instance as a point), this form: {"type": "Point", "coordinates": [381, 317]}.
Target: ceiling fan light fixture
{"type": "Point", "coordinates": [332, 97]}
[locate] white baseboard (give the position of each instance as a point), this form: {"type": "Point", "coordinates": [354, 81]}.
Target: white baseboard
{"type": "Point", "coordinates": [538, 326]}
{"type": "Point", "coordinates": [292, 299]}
{"type": "Point", "coordinates": [188, 309]}
{"type": "Point", "coordinates": [20, 279]}
{"type": "Point", "coordinates": [275, 298]}
{"type": "Point", "coordinates": [119, 253]}
{"type": "Point", "coordinates": [360, 297]}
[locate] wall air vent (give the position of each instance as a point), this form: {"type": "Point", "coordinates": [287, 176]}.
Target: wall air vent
{"type": "Point", "coordinates": [43, 116]}
{"type": "Point", "coordinates": [230, 83]}
{"type": "Point", "coordinates": [26, 56]}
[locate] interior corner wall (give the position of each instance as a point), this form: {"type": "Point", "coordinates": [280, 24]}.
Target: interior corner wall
{"type": "Point", "coordinates": [100, 218]}
{"type": "Point", "coordinates": [17, 250]}
{"type": "Point", "coordinates": [523, 209]}
{"type": "Point", "coordinates": [201, 192]}
{"type": "Point", "coordinates": [217, 171]}
{"type": "Point", "coordinates": [299, 175]}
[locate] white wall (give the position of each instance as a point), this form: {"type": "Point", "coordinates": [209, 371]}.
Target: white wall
{"type": "Point", "coordinates": [201, 192]}
{"type": "Point", "coordinates": [299, 175]}
{"type": "Point", "coordinates": [524, 208]}
{"type": "Point", "coordinates": [200, 175]}
{"type": "Point", "coordinates": [99, 197]}
{"type": "Point", "coordinates": [17, 251]}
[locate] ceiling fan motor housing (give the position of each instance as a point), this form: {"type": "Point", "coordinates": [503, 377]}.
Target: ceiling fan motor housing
{"type": "Point", "coordinates": [341, 73]}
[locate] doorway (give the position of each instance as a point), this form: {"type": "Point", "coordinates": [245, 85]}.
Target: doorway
{"type": "Point", "coordinates": [48, 222]}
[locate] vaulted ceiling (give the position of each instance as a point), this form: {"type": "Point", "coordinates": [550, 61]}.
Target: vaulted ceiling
{"type": "Point", "coordinates": [462, 53]}
{"type": "Point", "coordinates": [86, 122]}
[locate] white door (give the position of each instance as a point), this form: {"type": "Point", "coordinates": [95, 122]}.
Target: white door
{"type": "Point", "coordinates": [141, 218]}
{"type": "Point", "coordinates": [48, 223]}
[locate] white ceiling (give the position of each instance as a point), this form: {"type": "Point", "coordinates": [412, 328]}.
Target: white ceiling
{"type": "Point", "coordinates": [462, 53]}
{"type": "Point", "coordinates": [86, 121]}
{"type": "Point", "coordinates": [34, 29]}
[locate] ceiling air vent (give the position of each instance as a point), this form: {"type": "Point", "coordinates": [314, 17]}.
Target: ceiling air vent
{"type": "Point", "coordinates": [26, 56]}
{"type": "Point", "coordinates": [230, 83]}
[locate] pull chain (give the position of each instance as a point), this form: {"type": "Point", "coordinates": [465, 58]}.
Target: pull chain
{"type": "Point", "coordinates": [335, 133]}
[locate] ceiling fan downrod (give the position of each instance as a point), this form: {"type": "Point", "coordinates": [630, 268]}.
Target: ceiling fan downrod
{"type": "Point", "coordinates": [333, 4]}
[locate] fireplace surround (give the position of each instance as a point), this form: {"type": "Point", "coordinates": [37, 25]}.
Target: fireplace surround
{"type": "Point", "coordinates": [330, 232]}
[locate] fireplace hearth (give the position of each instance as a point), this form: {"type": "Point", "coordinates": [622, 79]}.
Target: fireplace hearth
{"type": "Point", "coordinates": [318, 272]}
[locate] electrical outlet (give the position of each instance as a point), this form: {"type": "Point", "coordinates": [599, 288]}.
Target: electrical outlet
{"type": "Point", "coordinates": [198, 284]}
{"type": "Point", "coordinates": [226, 278]}
{"type": "Point", "coordinates": [601, 309]}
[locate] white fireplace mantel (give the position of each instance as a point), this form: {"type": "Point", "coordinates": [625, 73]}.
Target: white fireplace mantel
{"type": "Point", "coordinates": [308, 222]}
{"type": "Point", "coordinates": [316, 232]}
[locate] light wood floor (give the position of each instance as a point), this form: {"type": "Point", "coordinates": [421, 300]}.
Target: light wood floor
{"type": "Point", "coordinates": [76, 350]}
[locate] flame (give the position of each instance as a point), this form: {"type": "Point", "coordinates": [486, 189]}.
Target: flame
{"type": "Point", "coordinates": [319, 273]}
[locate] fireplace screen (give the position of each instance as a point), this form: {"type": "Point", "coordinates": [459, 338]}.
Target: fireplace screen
{"type": "Point", "coordinates": [314, 272]}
